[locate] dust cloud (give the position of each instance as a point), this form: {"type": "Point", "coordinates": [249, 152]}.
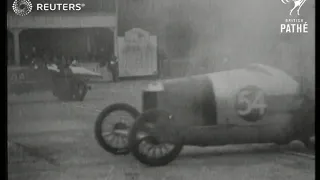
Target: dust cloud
{"type": "Point", "coordinates": [231, 34]}
{"type": "Point", "coordinates": [218, 35]}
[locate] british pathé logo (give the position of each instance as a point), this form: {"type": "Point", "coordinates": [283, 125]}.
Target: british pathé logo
{"type": "Point", "coordinates": [24, 7]}
{"type": "Point", "coordinates": [297, 5]}
{"type": "Point", "coordinates": [294, 25]}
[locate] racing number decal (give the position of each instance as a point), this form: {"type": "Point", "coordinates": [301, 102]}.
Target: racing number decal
{"type": "Point", "coordinates": [257, 102]}
{"type": "Point", "coordinates": [250, 103]}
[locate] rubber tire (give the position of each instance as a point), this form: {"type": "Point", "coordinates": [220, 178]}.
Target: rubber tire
{"type": "Point", "coordinates": [134, 143]}
{"type": "Point", "coordinates": [101, 117]}
{"type": "Point", "coordinates": [304, 123]}
{"type": "Point", "coordinates": [308, 144]}
{"type": "Point", "coordinates": [80, 97]}
{"type": "Point", "coordinates": [64, 95]}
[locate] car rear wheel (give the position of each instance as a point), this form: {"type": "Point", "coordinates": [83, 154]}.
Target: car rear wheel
{"type": "Point", "coordinates": [79, 92]}
{"type": "Point", "coordinates": [115, 140]}
{"type": "Point", "coordinates": [304, 123]}
{"type": "Point", "coordinates": [309, 142]}
{"type": "Point", "coordinates": [146, 147]}
{"type": "Point", "coordinates": [61, 89]}
{"type": "Point", "coordinates": [63, 95]}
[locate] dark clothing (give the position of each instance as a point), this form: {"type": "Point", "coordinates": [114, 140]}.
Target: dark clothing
{"type": "Point", "coordinates": [163, 64]}
{"type": "Point", "coordinates": [113, 67]}
{"type": "Point", "coordinates": [115, 73]}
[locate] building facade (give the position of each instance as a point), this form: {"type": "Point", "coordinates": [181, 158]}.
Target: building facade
{"type": "Point", "coordinates": [95, 14]}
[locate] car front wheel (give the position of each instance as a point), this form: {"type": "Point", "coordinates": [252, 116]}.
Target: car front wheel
{"type": "Point", "coordinates": [146, 147]}
{"type": "Point", "coordinates": [114, 139]}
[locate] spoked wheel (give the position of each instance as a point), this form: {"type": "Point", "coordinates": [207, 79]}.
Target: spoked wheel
{"type": "Point", "coordinates": [146, 145]}
{"type": "Point", "coordinates": [115, 139]}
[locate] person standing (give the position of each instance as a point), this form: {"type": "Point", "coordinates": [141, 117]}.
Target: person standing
{"type": "Point", "coordinates": [74, 61]}
{"type": "Point", "coordinates": [55, 60]}
{"type": "Point", "coordinates": [163, 63]}
{"type": "Point", "coordinates": [101, 57]}
{"type": "Point", "coordinates": [63, 63]}
{"type": "Point", "coordinates": [33, 55]}
{"type": "Point", "coordinates": [25, 60]}
{"type": "Point", "coordinates": [113, 67]}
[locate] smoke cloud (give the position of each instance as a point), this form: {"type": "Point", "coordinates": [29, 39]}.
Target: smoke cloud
{"type": "Point", "coordinates": [224, 34]}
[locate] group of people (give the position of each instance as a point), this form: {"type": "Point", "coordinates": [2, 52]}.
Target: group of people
{"type": "Point", "coordinates": [62, 61]}
{"type": "Point", "coordinates": [105, 58]}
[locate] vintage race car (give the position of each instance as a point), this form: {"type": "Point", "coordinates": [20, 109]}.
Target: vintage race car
{"type": "Point", "coordinates": [71, 84]}
{"type": "Point", "coordinates": [256, 104]}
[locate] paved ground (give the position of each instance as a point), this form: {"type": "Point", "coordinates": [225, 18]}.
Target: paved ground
{"type": "Point", "coordinates": [54, 141]}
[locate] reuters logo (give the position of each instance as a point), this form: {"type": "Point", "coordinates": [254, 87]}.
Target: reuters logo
{"type": "Point", "coordinates": [22, 7]}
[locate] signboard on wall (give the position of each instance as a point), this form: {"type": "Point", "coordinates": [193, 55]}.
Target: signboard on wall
{"type": "Point", "coordinates": [137, 53]}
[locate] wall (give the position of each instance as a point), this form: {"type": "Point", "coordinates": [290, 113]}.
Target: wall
{"type": "Point", "coordinates": [61, 20]}
{"type": "Point", "coordinates": [68, 42]}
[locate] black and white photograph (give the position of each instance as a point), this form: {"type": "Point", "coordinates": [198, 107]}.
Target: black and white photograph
{"type": "Point", "coordinates": [160, 89]}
